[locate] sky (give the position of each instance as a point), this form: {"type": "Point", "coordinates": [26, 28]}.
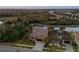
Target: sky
{"type": "Point", "coordinates": [39, 7]}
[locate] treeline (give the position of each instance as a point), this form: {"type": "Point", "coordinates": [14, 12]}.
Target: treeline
{"type": "Point", "coordinates": [20, 12]}
{"type": "Point", "coordinates": [52, 19]}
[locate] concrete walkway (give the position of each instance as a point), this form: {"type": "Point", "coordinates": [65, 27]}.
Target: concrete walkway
{"type": "Point", "coordinates": [39, 46]}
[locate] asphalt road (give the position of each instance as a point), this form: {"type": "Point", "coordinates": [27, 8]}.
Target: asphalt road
{"type": "Point", "coordinates": [15, 49]}
{"type": "Point", "coordinates": [3, 48]}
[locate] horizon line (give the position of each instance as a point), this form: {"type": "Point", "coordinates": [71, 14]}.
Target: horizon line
{"type": "Point", "coordinates": [39, 7]}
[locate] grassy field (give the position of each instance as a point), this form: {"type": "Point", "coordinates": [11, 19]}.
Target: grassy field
{"type": "Point", "coordinates": [25, 41]}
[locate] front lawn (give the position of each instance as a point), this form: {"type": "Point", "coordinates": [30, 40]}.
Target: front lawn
{"type": "Point", "coordinates": [53, 48]}
{"type": "Point", "coordinates": [25, 42]}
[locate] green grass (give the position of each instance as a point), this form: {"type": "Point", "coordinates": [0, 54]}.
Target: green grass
{"type": "Point", "coordinates": [30, 47]}
{"type": "Point", "coordinates": [54, 48]}
{"type": "Point", "coordinates": [25, 42]}
{"type": "Point", "coordinates": [76, 49]}
{"type": "Point", "coordinates": [28, 42]}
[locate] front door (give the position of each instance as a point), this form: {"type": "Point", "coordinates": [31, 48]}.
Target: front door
{"type": "Point", "coordinates": [39, 39]}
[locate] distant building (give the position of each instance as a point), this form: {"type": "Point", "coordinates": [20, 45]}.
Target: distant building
{"type": "Point", "coordinates": [39, 32]}
{"type": "Point", "coordinates": [52, 11]}
{"type": "Point", "coordinates": [56, 28]}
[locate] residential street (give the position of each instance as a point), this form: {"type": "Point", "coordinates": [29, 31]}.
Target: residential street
{"type": "Point", "coordinates": [15, 49]}
{"type": "Point", "coordinates": [68, 48]}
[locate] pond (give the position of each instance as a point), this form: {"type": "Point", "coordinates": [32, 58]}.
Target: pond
{"type": "Point", "coordinates": [72, 29]}
{"type": "Point", "coordinates": [69, 29]}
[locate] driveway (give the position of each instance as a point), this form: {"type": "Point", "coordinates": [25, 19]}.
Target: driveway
{"type": "Point", "coordinates": [69, 48]}
{"type": "Point", "coordinates": [39, 46]}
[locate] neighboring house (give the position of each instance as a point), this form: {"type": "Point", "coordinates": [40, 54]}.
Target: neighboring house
{"type": "Point", "coordinates": [77, 37]}
{"type": "Point", "coordinates": [62, 37]}
{"type": "Point", "coordinates": [39, 32]}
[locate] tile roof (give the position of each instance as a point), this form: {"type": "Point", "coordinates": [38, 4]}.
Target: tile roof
{"type": "Point", "coordinates": [40, 32]}
{"type": "Point", "coordinates": [77, 35]}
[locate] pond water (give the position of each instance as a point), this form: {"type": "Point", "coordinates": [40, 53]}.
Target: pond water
{"type": "Point", "coordinates": [72, 29]}
{"type": "Point", "coordinates": [69, 29]}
